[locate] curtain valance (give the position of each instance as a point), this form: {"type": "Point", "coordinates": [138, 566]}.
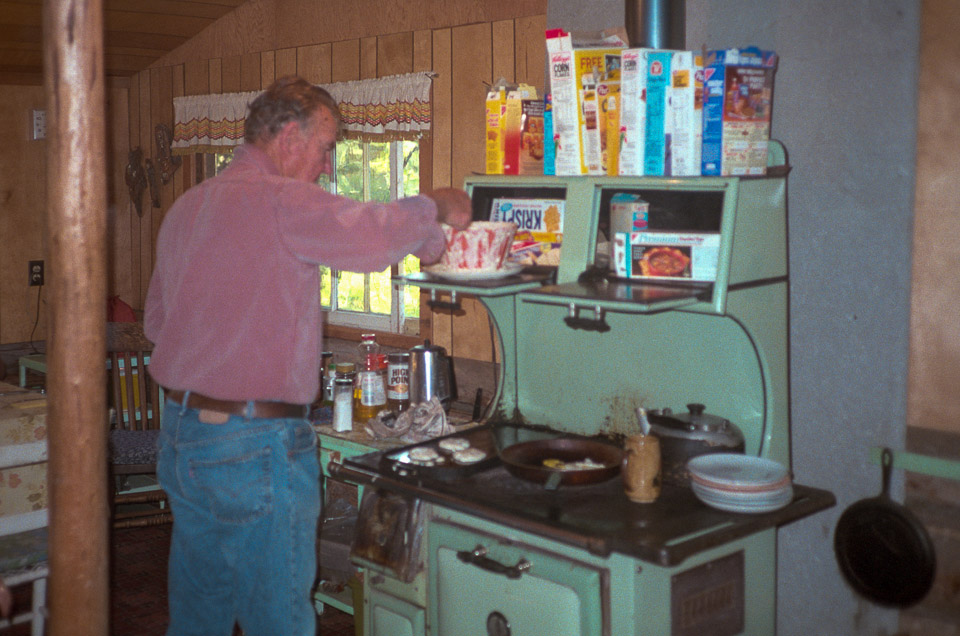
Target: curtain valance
{"type": "Point", "coordinates": [386, 108]}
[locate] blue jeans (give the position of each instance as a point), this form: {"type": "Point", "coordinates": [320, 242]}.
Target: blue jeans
{"type": "Point", "coordinates": [245, 496]}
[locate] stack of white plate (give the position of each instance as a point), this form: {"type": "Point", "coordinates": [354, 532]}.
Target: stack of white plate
{"type": "Point", "coordinates": [740, 483]}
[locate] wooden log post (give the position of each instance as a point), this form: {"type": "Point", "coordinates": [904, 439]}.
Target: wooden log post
{"type": "Point", "coordinates": [78, 597]}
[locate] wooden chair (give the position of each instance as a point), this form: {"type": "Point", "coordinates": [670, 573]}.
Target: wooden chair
{"type": "Point", "coordinates": [136, 403]}
{"type": "Point", "coordinates": [23, 544]}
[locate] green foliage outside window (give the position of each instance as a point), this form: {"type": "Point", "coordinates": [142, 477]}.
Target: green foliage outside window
{"type": "Point", "coordinates": [363, 172]}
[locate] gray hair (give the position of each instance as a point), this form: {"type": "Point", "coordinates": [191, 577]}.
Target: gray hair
{"type": "Point", "coordinates": [288, 99]}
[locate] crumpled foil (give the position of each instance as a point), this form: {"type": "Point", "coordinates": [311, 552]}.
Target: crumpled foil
{"type": "Point", "coordinates": [419, 423]}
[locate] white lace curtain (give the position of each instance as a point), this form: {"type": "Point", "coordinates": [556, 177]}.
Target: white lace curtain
{"type": "Point", "coordinates": [387, 108]}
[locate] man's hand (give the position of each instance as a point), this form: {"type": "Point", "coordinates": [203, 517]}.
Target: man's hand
{"type": "Point", "coordinates": [453, 207]}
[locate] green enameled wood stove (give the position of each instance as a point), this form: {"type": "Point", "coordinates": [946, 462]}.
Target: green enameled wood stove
{"type": "Point", "coordinates": [581, 350]}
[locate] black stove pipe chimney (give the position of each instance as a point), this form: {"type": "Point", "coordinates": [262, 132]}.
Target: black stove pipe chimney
{"type": "Point", "coordinates": [656, 24]}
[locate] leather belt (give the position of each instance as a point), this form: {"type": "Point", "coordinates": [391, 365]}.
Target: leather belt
{"type": "Point", "coordinates": [260, 408]}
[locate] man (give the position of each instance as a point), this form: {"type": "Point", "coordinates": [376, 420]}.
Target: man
{"type": "Point", "coordinates": [233, 310]}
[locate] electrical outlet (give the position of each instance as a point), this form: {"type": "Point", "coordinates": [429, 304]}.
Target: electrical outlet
{"type": "Point", "coordinates": [36, 273]}
{"type": "Point", "coordinates": [39, 121]}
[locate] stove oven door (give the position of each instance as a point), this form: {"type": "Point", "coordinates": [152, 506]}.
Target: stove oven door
{"type": "Point", "coordinates": [482, 584]}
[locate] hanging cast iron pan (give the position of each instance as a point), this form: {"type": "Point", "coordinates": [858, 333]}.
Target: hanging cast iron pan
{"type": "Point", "coordinates": [883, 551]}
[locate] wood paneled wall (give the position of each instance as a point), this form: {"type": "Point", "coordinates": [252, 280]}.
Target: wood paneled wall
{"type": "Point", "coordinates": [466, 59]}
{"type": "Point", "coordinates": [23, 205]}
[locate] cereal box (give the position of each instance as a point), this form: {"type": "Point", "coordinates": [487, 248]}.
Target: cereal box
{"type": "Point", "coordinates": [685, 115]}
{"type": "Point", "coordinates": [633, 112]}
{"type": "Point", "coordinates": [539, 228]}
{"type": "Point", "coordinates": [495, 142]}
{"type": "Point", "coordinates": [524, 136]}
{"type": "Point", "coordinates": [549, 144]}
{"type": "Point", "coordinates": [584, 69]}
{"type": "Point", "coordinates": [657, 64]}
{"type": "Point", "coordinates": [565, 102]}
{"type": "Point", "coordinates": [608, 95]}
{"type": "Point", "coordinates": [598, 81]}
{"type": "Point", "coordinates": [666, 255]}
{"type": "Point", "coordinates": [738, 98]}
{"type": "Point", "coordinates": [661, 112]}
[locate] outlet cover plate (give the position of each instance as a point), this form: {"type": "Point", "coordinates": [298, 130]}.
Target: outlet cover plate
{"type": "Point", "coordinates": [39, 124]}
{"type": "Point", "coordinates": [36, 273]}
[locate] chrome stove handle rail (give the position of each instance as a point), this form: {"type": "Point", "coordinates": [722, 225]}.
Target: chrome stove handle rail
{"type": "Point", "coordinates": [452, 305]}
{"type": "Point", "coordinates": [574, 321]}
{"type": "Point", "coordinates": [478, 557]}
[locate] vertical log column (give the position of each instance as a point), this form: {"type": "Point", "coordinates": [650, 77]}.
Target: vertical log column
{"type": "Point", "coordinates": [76, 229]}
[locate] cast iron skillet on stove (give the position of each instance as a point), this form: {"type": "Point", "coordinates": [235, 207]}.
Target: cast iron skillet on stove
{"type": "Point", "coordinates": [883, 550]}
{"type": "Point", "coordinates": [525, 460]}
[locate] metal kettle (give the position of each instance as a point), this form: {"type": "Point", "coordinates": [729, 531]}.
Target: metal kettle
{"type": "Point", "coordinates": [431, 375]}
{"type": "Point", "coordinates": [684, 436]}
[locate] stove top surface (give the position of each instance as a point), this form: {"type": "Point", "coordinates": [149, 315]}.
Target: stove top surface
{"type": "Point", "coordinates": [598, 517]}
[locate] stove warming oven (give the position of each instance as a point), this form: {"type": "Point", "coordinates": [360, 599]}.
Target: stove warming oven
{"type": "Point", "coordinates": [581, 350]}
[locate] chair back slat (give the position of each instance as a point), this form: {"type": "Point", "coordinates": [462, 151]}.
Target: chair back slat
{"type": "Point", "coordinates": [136, 397]}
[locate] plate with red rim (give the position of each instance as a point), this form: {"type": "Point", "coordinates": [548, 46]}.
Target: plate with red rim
{"type": "Point", "coordinates": [744, 502]}
{"type": "Point", "coordinates": [733, 470]}
{"type": "Point", "coordinates": [759, 488]}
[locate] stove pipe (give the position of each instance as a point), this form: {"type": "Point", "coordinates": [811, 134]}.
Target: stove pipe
{"type": "Point", "coordinates": [656, 24]}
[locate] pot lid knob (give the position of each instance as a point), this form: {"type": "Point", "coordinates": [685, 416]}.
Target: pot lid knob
{"type": "Point", "coordinates": [696, 409]}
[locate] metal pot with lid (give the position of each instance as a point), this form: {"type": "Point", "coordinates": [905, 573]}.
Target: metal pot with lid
{"type": "Point", "coordinates": [684, 436]}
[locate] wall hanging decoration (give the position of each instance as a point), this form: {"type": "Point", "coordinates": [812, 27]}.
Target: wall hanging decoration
{"type": "Point", "coordinates": [135, 178]}
{"type": "Point", "coordinates": [166, 162]}
{"type": "Point", "coordinates": [154, 181]}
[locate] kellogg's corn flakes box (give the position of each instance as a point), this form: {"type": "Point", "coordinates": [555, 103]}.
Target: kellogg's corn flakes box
{"type": "Point", "coordinates": [584, 71]}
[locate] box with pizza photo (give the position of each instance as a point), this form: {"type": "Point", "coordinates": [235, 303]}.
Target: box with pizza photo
{"type": "Point", "coordinates": [539, 228]}
{"type": "Point", "coordinates": [667, 256]}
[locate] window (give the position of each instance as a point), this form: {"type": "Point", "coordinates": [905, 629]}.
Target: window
{"type": "Point", "coordinates": [368, 171]}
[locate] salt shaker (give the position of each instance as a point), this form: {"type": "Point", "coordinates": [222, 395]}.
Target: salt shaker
{"type": "Point", "coordinates": [343, 404]}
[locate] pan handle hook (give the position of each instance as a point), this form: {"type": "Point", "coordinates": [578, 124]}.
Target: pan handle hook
{"type": "Point", "coordinates": [886, 462]}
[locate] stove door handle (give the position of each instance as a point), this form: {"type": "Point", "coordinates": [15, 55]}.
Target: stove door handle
{"type": "Point", "coordinates": [478, 557]}
{"type": "Point", "coordinates": [574, 321]}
